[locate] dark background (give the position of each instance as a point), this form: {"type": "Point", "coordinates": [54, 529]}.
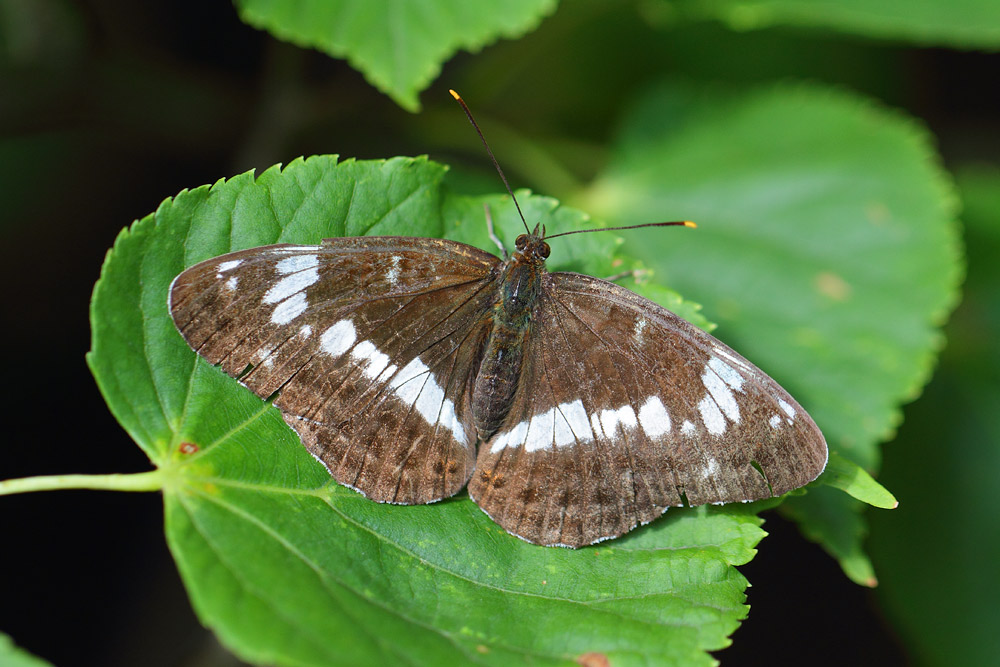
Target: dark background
{"type": "Point", "coordinates": [110, 106]}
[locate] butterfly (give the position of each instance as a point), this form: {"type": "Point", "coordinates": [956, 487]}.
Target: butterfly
{"type": "Point", "coordinates": [571, 408]}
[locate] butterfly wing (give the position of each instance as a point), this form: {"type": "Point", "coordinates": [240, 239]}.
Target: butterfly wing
{"type": "Point", "coordinates": [365, 343]}
{"type": "Point", "coordinates": [625, 409]}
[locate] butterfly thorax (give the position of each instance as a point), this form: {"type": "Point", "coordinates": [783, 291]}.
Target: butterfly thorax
{"type": "Point", "coordinates": [512, 320]}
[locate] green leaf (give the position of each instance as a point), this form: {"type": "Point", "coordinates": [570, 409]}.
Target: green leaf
{"type": "Point", "coordinates": [12, 656]}
{"type": "Point", "coordinates": [958, 23]}
{"type": "Point", "coordinates": [852, 479]}
{"type": "Point", "coordinates": [938, 553]}
{"type": "Point", "coordinates": [826, 249]}
{"type": "Point", "coordinates": [398, 46]}
{"type": "Point", "coordinates": [288, 567]}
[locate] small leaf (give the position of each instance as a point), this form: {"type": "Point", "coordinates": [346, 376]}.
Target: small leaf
{"type": "Point", "coordinates": [398, 46]}
{"type": "Point", "coordinates": [849, 477]}
{"type": "Point", "coordinates": [959, 23]}
{"type": "Point", "coordinates": [287, 566]}
{"type": "Point", "coordinates": [826, 250]}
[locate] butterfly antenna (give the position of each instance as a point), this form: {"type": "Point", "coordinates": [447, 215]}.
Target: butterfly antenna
{"type": "Point", "coordinates": [496, 164]}
{"type": "Point", "coordinates": [682, 223]}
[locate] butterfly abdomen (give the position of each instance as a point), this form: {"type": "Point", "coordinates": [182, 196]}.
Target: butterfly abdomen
{"type": "Point", "coordinates": [498, 378]}
{"type": "Point", "coordinates": [499, 373]}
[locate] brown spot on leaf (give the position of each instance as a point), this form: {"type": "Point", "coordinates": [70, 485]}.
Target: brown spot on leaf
{"type": "Point", "coordinates": [188, 448]}
{"type": "Point", "coordinates": [878, 213]}
{"type": "Point", "coordinates": [593, 659]}
{"type": "Point", "coordinates": [832, 286]}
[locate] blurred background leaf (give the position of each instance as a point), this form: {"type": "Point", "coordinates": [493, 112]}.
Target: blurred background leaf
{"type": "Point", "coordinates": [962, 23]}
{"type": "Point", "coordinates": [399, 46]}
{"type": "Point", "coordinates": [109, 106]}
{"type": "Point", "coordinates": [937, 556]}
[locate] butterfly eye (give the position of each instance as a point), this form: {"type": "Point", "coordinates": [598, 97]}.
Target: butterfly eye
{"type": "Point", "coordinates": [543, 250]}
{"type": "Point", "coordinates": [521, 241]}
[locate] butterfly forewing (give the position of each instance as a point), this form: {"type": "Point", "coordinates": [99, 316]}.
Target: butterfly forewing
{"type": "Point", "coordinates": [624, 409]}
{"type": "Point", "coordinates": [366, 345]}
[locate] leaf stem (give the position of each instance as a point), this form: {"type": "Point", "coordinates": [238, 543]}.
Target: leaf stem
{"type": "Point", "coordinates": [141, 481]}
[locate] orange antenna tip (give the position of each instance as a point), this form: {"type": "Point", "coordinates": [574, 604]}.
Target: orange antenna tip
{"type": "Point", "coordinates": [688, 223]}
{"type": "Point", "coordinates": [454, 94]}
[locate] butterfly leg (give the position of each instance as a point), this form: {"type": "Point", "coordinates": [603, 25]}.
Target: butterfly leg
{"type": "Point", "coordinates": [492, 233]}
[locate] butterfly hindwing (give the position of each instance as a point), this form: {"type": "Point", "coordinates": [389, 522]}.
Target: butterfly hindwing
{"type": "Point", "coordinates": [366, 345]}
{"type": "Point", "coordinates": [624, 409]}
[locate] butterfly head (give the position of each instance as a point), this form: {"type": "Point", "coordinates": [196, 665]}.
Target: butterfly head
{"type": "Point", "coordinates": [532, 246]}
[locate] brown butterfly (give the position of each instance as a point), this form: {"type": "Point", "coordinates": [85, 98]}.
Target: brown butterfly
{"type": "Point", "coordinates": [573, 408]}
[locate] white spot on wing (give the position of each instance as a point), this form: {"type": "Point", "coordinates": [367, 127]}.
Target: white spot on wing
{"type": "Point", "coordinates": [774, 421]}
{"type": "Point", "coordinates": [727, 373]}
{"type": "Point", "coordinates": [291, 284]}
{"type": "Point", "coordinates": [229, 266]}
{"type": "Point", "coordinates": [711, 416]}
{"type": "Point", "coordinates": [511, 438]}
{"type": "Point", "coordinates": [289, 309]}
{"type": "Point", "coordinates": [562, 433]}
{"type": "Point", "coordinates": [232, 283]}
{"type": "Point", "coordinates": [565, 424]}
{"type": "Point", "coordinates": [540, 431]}
{"type": "Point", "coordinates": [612, 419]}
{"type": "Point", "coordinates": [430, 400]}
{"type": "Point", "coordinates": [786, 408]}
{"type": "Point", "coordinates": [412, 370]}
{"type": "Point", "coordinates": [721, 393]}
{"type": "Point", "coordinates": [450, 421]}
{"type": "Point", "coordinates": [296, 264]}
{"type": "Point", "coordinates": [595, 424]}
{"type": "Point", "coordinates": [687, 428]}
{"type": "Point", "coordinates": [710, 468]}
{"type": "Point", "coordinates": [338, 339]}
{"type": "Point", "coordinates": [736, 361]}
{"type": "Point", "coordinates": [264, 358]}
{"type": "Point", "coordinates": [638, 331]}
{"type": "Point", "coordinates": [305, 331]}
{"type": "Point", "coordinates": [654, 418]}
{"type": "Point", "coordinates": [372, 361]}
{"type": "Point", "coordinates": [576, 419]}
{"type": "Point", "coordinates": [393, 274]}
{"type": "Point", "coordinates": [427, 397]}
